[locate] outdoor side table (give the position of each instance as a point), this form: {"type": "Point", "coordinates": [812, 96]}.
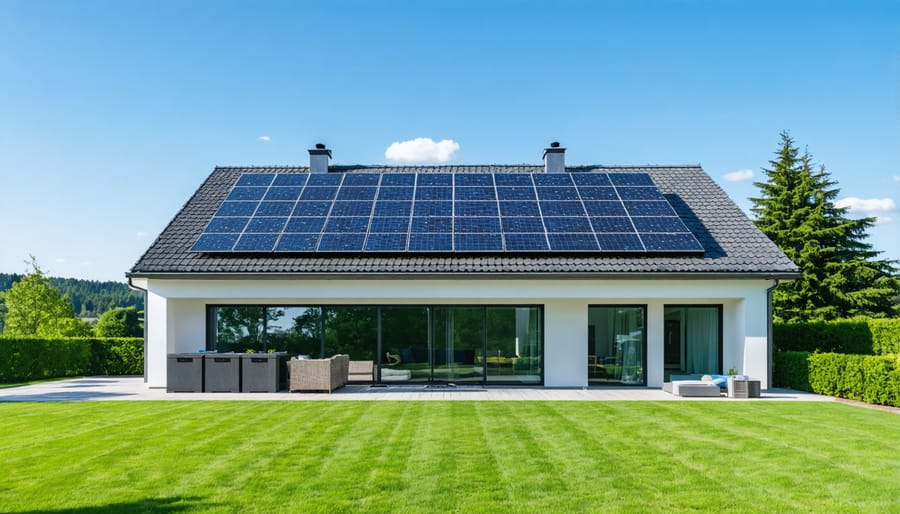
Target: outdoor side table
{"type": "Point", "coordinates": [743, 388]}
{"type": "Point", "coordinates": [263, 372]}
{"type": "Point", "coordinates": [184, 373]}
{"type": "Point", "coordinates": [222, 373]}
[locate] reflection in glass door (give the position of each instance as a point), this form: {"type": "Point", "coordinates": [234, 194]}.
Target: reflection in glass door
{"type": "Point", "coordinates": [457, 334]}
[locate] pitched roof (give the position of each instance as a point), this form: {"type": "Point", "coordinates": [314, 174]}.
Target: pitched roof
{"type": "Point", "coordinates": [733, 245]}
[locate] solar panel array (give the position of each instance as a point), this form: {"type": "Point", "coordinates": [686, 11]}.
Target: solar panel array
{"type": "Point", "coordinates": [446, 212]}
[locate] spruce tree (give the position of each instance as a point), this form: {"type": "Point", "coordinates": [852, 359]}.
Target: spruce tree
{"type": "Point", "coordinates": [841, 275]}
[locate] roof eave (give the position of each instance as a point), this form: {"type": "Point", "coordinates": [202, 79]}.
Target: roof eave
{"type": "Point", "coordinates": [487, 275]}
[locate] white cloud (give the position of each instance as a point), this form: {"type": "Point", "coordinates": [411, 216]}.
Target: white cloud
{"type": "Point", "coordinates": [85, 263]}
{"type": "Point", "coordinates": [264, 138]}
{"type": "Point", "coordinates": [60, 260]}
{"type": "Point", "coordinates": [868, 207]}
{"type": "Point", "coordinates": [422, 149]}
{"type": "Point", "coordinates": [896, 178]}
{"type": "Point", "coordinates": [739, 175]}
{"type": "Point", "coordinates": [140, 233]}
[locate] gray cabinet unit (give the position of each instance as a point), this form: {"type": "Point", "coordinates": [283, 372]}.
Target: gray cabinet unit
{"type": "Point", "coordinates": [223, 373]}
{"type": "Point", "coordinates": [263, 372]}
{"type": "Point", "coordinates": [184, 373]}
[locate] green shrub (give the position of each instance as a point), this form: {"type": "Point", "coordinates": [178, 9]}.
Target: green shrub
{"type": "Point", "coordinates": [860, 337]}
{"type": "Point", "coordinates": [33, 358]}
{"type": "Point", "coordinates": [868, 378]}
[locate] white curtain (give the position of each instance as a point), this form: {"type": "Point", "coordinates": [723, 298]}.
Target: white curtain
{"type": "Point", "coordinates": [702, 338]}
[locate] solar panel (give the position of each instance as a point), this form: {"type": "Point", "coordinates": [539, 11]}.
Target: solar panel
{"type": "Point", "coordinates": [523, 225]}
{"type": "Point", "coordinates": [475, 193]}
{"type": "Point", "coordinates": [430, 242]}
{"type": "Point", "coordinates": [215, 242]}
{"type": "Point", "coordinates": [256, 243]}
{"type": "Point", "coordinates": [290, 179]}
{"type": "Point", "coordinates": [392, 208]}
{"type": "Point", "coordinates": [254, 179]}
{"type": "Point", "coordinates": [477, 242]}
{"type": "Point", "coordinates": [434, 193]}
{"type": "Point", "coordinates": [432, 224]}
{"type": "Point", "coordinates": [395, 242]}
{"type": "Point", "coordinates": [297, 242]}
{"type": "Point", "coordinates": [466, 209]}
{"type": "Point", "coordinates": [619, 243]}
{"type": "Point", "coordinates": [275, 209]}
{"type": "Point", "coordinates": [238, 208]}
{"type": "Point", "coordinates": [247, 193]}
{"type": "Point", "coordinates": [670, 242]}
{"type": "Point", "coordinates": [342, 242]}
{"type": "Point", "coordinates": [227, 225]}
{"type": "Point", "coordinates": [385, 225]}
{"type": "Point", "coordinates": [260, 225]}
{"type": "Point", "coordinates": [476, 225]}
{"type": "Point", "coordinates": [356, 193]}
{"type": "Point", "coordinates": [515, 193]}
{"type": "Point", "coordinates": [309, 225]}
{"type": "Point", "coordinates": [572, 242]}
{"type": "Point", "coordinates": [520, 209]}
{"type": "Point", "coordinates": [289, 194]}
{"type": "Point", "coordinates": [526, 242]}
{"type": "Point", "coordinates": [444, 212]}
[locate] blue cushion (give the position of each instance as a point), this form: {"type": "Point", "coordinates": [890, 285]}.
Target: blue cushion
{"type": "Point", "coordinates": [720, 380]}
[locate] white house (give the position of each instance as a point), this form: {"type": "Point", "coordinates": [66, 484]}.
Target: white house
{"type": "Point", "coordinates": [527, 274]}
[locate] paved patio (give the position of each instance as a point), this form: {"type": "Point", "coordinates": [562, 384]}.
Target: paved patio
{"type": "Point", "coordinates": [133, 388]}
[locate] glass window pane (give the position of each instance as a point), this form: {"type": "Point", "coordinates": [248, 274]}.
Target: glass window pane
{"type": "Point", "coordinates": [239, 329]}
{"type": "Point", "coordinates": [616, 345]}
{"type": "Point", "coordinates": [404, 345]}
{"type": "Point", "coordinates": [296, 330]}
{"type": "Point", "coordinates": [353, 331]}
{"type": "Point", "coordinates": [457, 335]}
{"type": "Point", "coordinates": [692, 341]}
{"type": "Point", "coordinates": [514, 345]}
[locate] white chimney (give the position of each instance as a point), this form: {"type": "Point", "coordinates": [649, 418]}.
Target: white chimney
{"type": "Point", "coordinates": [318, 159]}
{"type": "Point", "coordinates": [554, 159]}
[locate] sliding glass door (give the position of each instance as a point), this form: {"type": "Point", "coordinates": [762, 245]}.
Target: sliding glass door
{"type": "Point", "coordinates": [416, 343]}
{"type": "Point", "coordinates": [457, 344]}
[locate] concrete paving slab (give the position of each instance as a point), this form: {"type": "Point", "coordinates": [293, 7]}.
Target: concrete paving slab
{"type": "Point", "coordinates": [133, 388]}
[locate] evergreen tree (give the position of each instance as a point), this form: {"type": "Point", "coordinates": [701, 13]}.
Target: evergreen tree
{"type": "Point", "coordinates": [841, 275]}
{"type": "Point", "coordinates": [35, 308]}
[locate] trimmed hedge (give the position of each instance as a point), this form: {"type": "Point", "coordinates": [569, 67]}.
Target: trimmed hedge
{"type": "Point", "coordinates": [34, 358]}
{"type": "Point", "coordinates": [791, 370]}
{"type": "Point", "coordinates": [861, 337]}
{"type": "Point", "coordinates": [885, 336]}
{"type": "Point", "coordinates": [868, 378]}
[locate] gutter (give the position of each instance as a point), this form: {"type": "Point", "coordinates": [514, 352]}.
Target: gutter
{"type": "Point", "coordinates": [770, 342]}
{"type": "Point", "coordinates": [144, 292]}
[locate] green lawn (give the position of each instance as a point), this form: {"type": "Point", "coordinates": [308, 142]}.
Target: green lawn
{"type": "Point", "coordinates": [446, 456]}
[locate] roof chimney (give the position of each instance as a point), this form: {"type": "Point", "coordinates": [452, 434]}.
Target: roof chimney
{"type": "Point", "coordinates": [554, 159]}
{"type": "Point", "coordinates": [318, 159]}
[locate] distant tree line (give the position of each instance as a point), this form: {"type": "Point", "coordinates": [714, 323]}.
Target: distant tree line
{"type": "Point", "coordinates": [33, 306]}
{"type": "Point", "coordinates": [89, 298]}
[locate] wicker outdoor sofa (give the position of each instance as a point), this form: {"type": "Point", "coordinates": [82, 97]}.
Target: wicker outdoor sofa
{"type": "Point", "coordinates": [319, 374]}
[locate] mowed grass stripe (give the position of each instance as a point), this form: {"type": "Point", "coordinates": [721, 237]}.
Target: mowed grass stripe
{"type": "Point", "coordinates": [448, 456]}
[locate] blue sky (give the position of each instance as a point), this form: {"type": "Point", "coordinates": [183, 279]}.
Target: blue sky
{"type": "Point", "coordinates": [112, 113]}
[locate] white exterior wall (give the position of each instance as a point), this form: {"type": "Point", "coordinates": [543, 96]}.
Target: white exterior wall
{"type": "Point", "coordinates": [176, 313]}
